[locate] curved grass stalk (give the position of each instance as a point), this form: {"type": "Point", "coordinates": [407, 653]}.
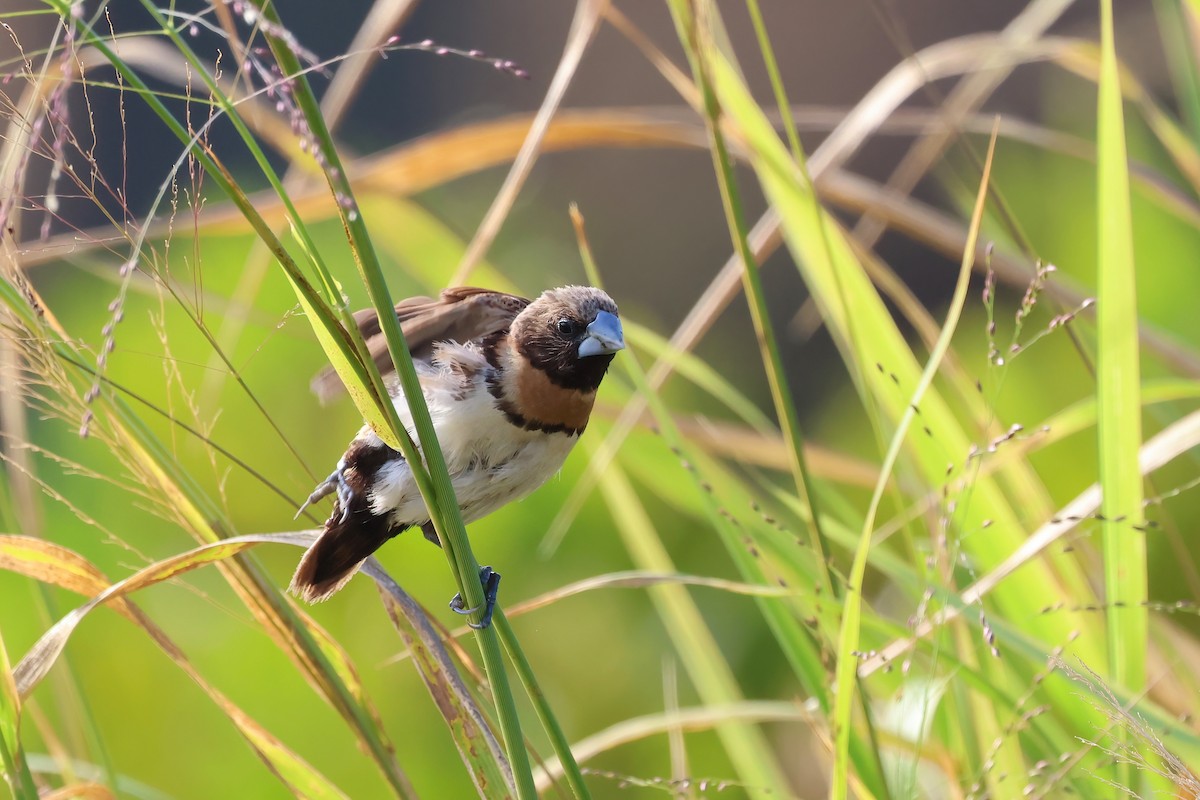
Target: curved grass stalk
{"type": "Point", "coordinates": [434, 484]}
{"type": "Point", "coordinates": [851, 621]}
{"type": "Point", "coordinates": [781, 396]}
{"type": "Point", "coordinates": [711, 675]}
{"type": "Point", "coordinates": [278, 618]}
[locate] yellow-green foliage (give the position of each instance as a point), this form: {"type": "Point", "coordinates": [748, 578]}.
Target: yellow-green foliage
{"type": "Point", "coordinates": [965, 573]}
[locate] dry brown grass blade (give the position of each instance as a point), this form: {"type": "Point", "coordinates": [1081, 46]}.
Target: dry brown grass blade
{"type": "Point", "coordinates": [1166, 446]}
{"type": "Point", "coordinates": [583, 27]}
{"type": "Point", "coordinates": [970, 93]}
{"type": "Point", "coordinates": [427, 162]}
{"type": "Point", "coordinates": [442, 157]}
{"type": "Point", "coordinates": [744, 445]}
{"type": "Point", "coordinates": [59, 566]}
{"type": "Point", "coordinates": [468, 727]}
{"type": "Point", "coordinates": [41, 657]}
{"type": "Point", "coordinates": [383, 18]}
{"type": "Point", "coordinates": [946, 59]}
{"type": "Point", "coordinates": [54, 565]}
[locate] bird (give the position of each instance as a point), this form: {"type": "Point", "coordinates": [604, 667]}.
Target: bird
{"type": "Point", "coordinates": [510, 384]}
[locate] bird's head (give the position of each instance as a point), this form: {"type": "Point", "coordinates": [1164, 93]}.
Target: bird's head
{"type": "Point", "coordinates": [571, 335]}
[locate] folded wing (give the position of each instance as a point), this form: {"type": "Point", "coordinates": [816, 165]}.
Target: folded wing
{"type": "Point", "coordinates": [460, 314]}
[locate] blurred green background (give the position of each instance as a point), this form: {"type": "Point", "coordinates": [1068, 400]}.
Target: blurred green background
{"type": "Point", "coordinates": [656, 226]}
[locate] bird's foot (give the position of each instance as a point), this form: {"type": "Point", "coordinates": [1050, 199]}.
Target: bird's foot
{"type": "Point", "coordinates": [490, 579]}
{"type": "Point", "coordinates": [336, 482]}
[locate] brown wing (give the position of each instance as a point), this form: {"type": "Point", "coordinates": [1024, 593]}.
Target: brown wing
{"type": "Point", "coordinates": [460, 314]}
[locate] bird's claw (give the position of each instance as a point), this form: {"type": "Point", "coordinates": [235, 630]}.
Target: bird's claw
{"type": "Point", "coordinates": [490, 579]}
{"type": "Point", "coordinates": [336, 482]}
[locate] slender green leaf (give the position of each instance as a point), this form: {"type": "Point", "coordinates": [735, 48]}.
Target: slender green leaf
{"type": "Point", "coordinates": [1118, 379]}
{"type": "Point", "coordinates": [1118, 384]}
{"type": "Point", "coordinates": [433, 480]}
{"type": "Point", "coordinates": [52, 564]}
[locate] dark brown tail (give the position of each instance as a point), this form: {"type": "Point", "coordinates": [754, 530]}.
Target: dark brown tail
{"type": "Point", "coordinates": [339, 552]}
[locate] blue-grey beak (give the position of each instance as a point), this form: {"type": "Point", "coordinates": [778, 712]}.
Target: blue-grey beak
{"type": "Point", "coordinates": [604, 336]}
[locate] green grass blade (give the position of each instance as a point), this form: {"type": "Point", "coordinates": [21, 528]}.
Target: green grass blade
{"type": "Point", "coordinates": [1119, 383]}
{"type": "Point", "coordinates": [558, 739]}
{"type": "Point", "coordinates": [848, 642]}
{"type": "Point", "coordinates": [147, 458]}
{"type": "Point", "coordinates": [700, 655]}
{"type": "Point", "coordinates": [693, 35]}
{"type": "Point", "coordinates": [435, 485]}
{"type": "Point", "coordinates": [781, 100]}
{"type": "Point", "coordinates": [699, 652]}
{"type": "Point", "coordinates": [1118, 376]}
{"type": "Point", "coordinates": [1178, 49]}
{"type": "Point", "coordinates": [880, 345]}
{"type": "Point", "coordinates": [16, 771]}
{"type": "Point", "coordinates": [797, 644]}
{"type": "Point", "coordinates": [867, 336]}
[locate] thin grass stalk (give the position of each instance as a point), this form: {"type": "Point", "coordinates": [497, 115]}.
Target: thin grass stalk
{"type": "Point", "coordinates": [23, 494]}
{"type": "Point", "coordinates": [1119, 423]}
{"type": "Point", "coordinates": [558, 739]}
{"type": "Point", "coordinates": [367, 375]}
{"type": "Point", "coordinates": [247, 580]}
{"type": "Point", "coordinates": [442, 504]}
{"type": "Point", "coordinates": [1173, 26]}
{"type": "Point", "coordinates": [796, 643]}
{"type": "Point", "coordinates": [340, 342]}
{"type": "Point", "coordinates": [848, 643]}
{"type": "Point", "coordinates": [688, 25]}
{"type": "Point", "coordinates": [12, 755]}
{"type": "Point", "coordinates": [16, 770]}
{"type": "Point", "coordinates": [344, 86]}
{"type": "Point", "coordinates": [72, 700]}
{"type": "Point", "coordinates": [777, 87]}
{"type": "Point", "coordinates": [715, 683]}
{"type": "Point", "coordinates": [584, 24]}
{"type": "Point", "coordinates": [259, 589]}
{"type": "Point", "coordinates": [798, 155]}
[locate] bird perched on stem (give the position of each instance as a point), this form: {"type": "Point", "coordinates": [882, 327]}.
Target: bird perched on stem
{"type": "Point", "coordinates": [510, 385]}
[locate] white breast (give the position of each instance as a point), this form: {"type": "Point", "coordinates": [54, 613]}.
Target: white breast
{"type": "Point", "coordinates": [491, 461]}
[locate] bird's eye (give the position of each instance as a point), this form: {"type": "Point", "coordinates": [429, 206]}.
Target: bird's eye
{"type": "Point", "coordinates": [568, 327]}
